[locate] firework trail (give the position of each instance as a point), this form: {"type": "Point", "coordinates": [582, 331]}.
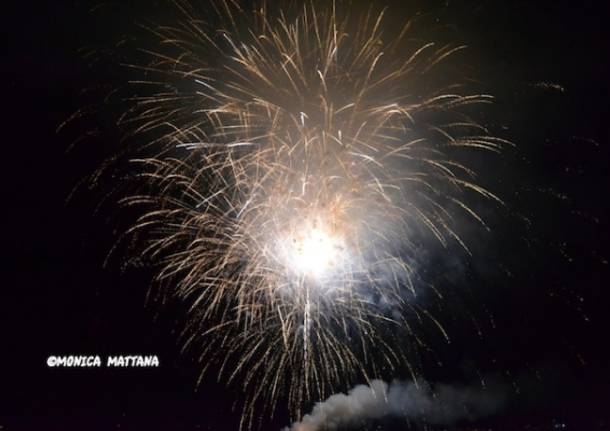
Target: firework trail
{"type": "Point", "coordinates": [292, 158]}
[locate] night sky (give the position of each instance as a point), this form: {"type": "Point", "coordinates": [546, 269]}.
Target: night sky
{"type": "Point", "coordinates": [542, 312]}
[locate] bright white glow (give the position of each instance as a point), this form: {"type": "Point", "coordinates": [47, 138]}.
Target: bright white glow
{"type": "Point", "coordinates": [313, 252]}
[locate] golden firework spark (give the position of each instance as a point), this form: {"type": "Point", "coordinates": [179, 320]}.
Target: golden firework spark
{"type": "Point", "coordinates": [298, 151]}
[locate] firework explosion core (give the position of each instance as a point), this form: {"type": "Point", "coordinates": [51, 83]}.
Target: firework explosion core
{"type": "Point", "coordinates": [298, 154]}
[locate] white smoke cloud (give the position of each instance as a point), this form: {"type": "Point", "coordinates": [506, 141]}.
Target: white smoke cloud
{"type": "Point", "coordinates": [442, 405]}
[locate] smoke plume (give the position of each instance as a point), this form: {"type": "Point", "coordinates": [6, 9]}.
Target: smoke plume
{"type": "Point", "coordinates": [441, 405]}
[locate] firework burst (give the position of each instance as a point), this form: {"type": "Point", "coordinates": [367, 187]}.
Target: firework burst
{"type": "Point", "coordinates": [296, 156]}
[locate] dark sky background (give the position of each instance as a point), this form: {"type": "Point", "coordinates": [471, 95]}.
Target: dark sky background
{"type": "Point", "coordinates": [551, 321]}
